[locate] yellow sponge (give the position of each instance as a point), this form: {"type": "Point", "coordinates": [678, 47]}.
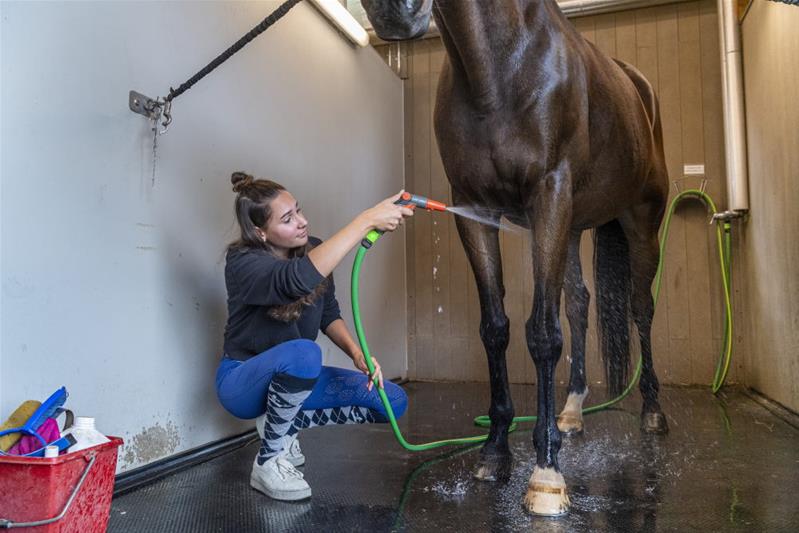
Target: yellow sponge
{"type": "Point", "coordinates": [17, 419]}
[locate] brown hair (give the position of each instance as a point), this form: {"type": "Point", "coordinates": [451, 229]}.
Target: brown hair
{"type": "Point", "coordinates": [253, 210]}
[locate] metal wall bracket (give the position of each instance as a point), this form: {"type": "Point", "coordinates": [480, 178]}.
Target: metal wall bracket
{"type": "Point", "coordinates": [678, 183]}
{"type": "Point", "coordinates": [144, 105]}
{"type": "Point", "coordinates": [727, 216]}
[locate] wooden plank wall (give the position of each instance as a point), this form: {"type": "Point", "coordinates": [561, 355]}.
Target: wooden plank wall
{"type": "Point", "coordinates": [770, 249]}
{"type": "Point", "coordinates": [676, 46]}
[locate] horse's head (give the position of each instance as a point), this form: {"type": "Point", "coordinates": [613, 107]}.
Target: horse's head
{"type": "Point", "coordinates": [399, 20]}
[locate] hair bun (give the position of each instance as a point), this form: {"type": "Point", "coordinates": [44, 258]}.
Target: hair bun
{"type": "Point", "coordinates": [240, 181]}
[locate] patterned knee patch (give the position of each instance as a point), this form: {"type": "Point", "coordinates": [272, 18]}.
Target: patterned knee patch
{"type": "Point", "coordinates": [334, 415]}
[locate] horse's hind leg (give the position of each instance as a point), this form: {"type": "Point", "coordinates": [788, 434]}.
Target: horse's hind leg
{"type": "Point", "coordinates": [570, 420]}
{"type": "Point", "coordinates": [640, 227]}
{"type": "Point", "coordinates": [481, 243]}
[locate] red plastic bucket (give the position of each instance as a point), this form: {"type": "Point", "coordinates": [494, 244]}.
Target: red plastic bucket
{"type": "Point", "coordinates": [67, 493]}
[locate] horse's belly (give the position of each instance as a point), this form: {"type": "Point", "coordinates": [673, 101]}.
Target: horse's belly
{"type": "Point", "coordinates": [589, 212]}
{"type": "Point", "coordinates": [603, 198]}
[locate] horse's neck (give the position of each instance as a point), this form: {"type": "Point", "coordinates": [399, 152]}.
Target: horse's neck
{"type": "Point", "coordinates": [486, 42]}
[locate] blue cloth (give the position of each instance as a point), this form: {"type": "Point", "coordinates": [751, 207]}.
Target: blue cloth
{"type": "Point", "coordinates": [242, 385]}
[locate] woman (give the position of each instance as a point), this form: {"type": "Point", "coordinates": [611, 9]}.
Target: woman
{"type": "Point", "coordinates": [280, 295]}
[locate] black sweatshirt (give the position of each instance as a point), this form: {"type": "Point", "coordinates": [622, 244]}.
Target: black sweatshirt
{"type": "Point", "coordinates": [257, 280]}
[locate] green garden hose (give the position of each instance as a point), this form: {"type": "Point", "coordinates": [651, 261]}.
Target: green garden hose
{"type": "Point", "coordinates": [722, 367]}
{"type": "Point", "coordinates": [370, 239]}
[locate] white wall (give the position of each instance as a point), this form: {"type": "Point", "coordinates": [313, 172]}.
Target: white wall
{"type": "Point", "coordinates": [112, 280]}
{"type": "Point", "coordinates": [769, 248]}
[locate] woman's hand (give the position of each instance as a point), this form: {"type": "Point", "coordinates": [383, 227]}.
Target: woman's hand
{"type": "Point", "coordinates": [387, 216]}
{"type": "Point", "coordinates": [360, 364]}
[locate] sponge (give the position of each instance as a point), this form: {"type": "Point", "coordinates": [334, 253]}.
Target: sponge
{"type": "Point", "coordinates": [17, 419]}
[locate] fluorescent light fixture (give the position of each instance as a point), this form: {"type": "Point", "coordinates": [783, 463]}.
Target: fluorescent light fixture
{"type": "Point", "coordinates": [338, 15]}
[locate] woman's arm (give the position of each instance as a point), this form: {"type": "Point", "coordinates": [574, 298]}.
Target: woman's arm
{"type": "Point", "coordinates": [340, 335]}
{"type": "Point", "coordinates": [385, 216]}
{"type": "Point", "coordinates": [338, 332]}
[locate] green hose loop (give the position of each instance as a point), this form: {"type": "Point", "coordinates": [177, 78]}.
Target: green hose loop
{"type": "Point", "coordinates": [356, 315]}
{"type": "Point", "coordinates": [724, 248]}
{"type": "Point", "coordinates": [722, 367]}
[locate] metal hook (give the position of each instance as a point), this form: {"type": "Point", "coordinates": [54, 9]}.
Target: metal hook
{"type": "Point", "coordinates": [167, 114]}
{"type": "Point", "coordinates": [153, 107]}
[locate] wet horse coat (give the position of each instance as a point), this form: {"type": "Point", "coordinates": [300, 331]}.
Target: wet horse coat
{"type": "Point", "coordinates": [535, 123]}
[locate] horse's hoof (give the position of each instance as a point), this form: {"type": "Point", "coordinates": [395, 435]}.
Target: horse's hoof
{"type": "Point", "coordinates": [546, 493]}
{"type": "Point", "coordinates": [493, 468]}
{"type": "Point", "coordinates": [570, 424]}
{"type": "Point", "coordinates": [654, 423]}
{"type": "Point", "coordinates": [570, 420]}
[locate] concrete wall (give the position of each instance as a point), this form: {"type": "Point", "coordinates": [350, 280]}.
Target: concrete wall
{"type": "Point", "coordinates": [677, 47]}
{"type": "Point", "coordinates": [112, 264]}
{"type": "Point", "coordinates": [770, 249]}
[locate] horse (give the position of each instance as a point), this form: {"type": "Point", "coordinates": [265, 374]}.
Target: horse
{"type": "Point", "coordinates": [535, 124]}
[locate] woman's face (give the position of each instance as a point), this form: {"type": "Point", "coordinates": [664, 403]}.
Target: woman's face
{"type": "Point", "coordinates": [287, 227]}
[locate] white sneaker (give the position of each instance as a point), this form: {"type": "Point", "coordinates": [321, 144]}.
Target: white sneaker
{"type": "Point", "coordinates": [291, 445]}
{"type": "Point", "coordinates": [278, 479]}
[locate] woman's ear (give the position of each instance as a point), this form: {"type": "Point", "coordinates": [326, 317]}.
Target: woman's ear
{"type": "Point", "coordinates": [261, 234]}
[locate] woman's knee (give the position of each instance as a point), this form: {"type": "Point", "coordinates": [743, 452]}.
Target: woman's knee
{"type": "Point", "coordinates": [396, 397]}
{"type": "Point", "coordinates": [305, 359]}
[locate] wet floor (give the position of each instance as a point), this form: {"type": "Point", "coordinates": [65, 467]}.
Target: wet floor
{"type": "Point", "coordinates": [728, 464]}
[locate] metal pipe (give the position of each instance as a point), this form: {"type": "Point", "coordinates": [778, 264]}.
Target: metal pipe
{"type": "Point", "coordinates": [732, 85]}
{"type": "Point", "coordinates": [581, 8]}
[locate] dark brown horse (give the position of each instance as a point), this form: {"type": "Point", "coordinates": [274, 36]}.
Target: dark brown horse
{"type": "Point", "coordinates": [536, 124]}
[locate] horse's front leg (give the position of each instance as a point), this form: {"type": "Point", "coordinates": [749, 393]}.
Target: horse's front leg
{"type": "Point", "coordinates": [550, 219]}
{"type": "Point", "coordinates": [481, 243]}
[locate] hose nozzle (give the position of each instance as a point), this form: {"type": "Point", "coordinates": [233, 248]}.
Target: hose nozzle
{"type": "Point", "coordinates": [415, 200]}
{"type": "Point", "coordinates": [412, 201]}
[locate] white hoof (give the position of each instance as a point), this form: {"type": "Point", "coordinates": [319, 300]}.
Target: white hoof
{"type": "Point", "coordinates": [546, 493]}
{"type": "Point", "coordinates": [493, 468]}
{"type": "Point", "coordinates": [570, 423]}
{"type": "Point", "coordinates": [570, 420]}
{"type": "Point", "coordinates": [485, 472]}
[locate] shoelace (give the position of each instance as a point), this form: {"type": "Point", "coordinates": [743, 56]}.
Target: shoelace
{"type": "Point", "coordinates": [286, 469]}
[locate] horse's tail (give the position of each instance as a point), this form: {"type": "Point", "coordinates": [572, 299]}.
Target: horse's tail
{"type": "Point", "coordinates": [613, 293]}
